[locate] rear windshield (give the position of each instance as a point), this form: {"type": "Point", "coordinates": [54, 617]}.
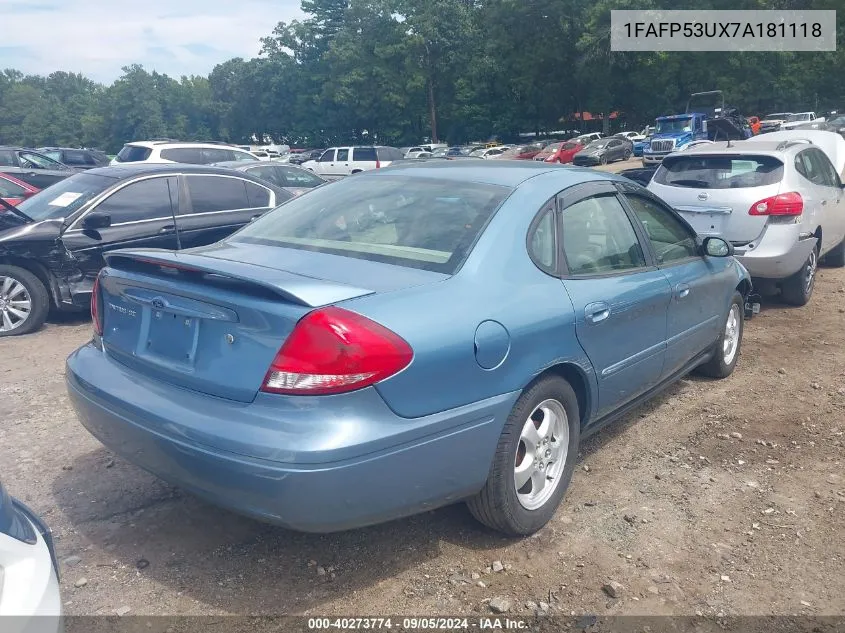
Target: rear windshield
{"type": "Point", "coordinates": [133, 154]}
{"type": "Point", "coordinates": [719, 172]}
{"type": "Point", "coordinates": [65, 197]}
{"type": "Point", "coordinates": [414, 222]}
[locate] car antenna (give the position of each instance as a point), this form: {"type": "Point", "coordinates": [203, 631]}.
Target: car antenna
{"type": "Point", "coordinates": [173, 215]}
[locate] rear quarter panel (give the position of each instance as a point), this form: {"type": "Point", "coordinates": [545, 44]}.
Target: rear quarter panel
{"type": "Point", "coordinates": [498, 283]}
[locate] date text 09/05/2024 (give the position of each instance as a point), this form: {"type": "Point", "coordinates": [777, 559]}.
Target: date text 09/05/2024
{"type": "Point", "coordinates": [417, 624]}
{"type": "Point", "coordinates": [723, 29]}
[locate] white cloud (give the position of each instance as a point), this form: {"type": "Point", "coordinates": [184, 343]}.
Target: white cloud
{"type": "Point", "coordinates": [98, 37]}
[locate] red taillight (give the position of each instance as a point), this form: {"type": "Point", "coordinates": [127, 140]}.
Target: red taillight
{"type": "Point", "coordinates": [333, 350]}
{"type": "Point", "coordinates": [96, 317]}
{"type": "Point", "coordinates": [378, 163]}
{"type": "Point", "coordinates": [782, 204]}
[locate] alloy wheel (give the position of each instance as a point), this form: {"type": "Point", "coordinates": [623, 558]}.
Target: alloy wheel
{"type": "Point", "coordinates": [730, 342]}
{"type": "Point", "coordinates": [541, 454]}
{"type": "Point", "coordinates": [15, 304]}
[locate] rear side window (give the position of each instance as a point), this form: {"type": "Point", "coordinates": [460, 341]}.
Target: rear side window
{"type": "Point", "coordinates": [77, 158]}
{"type": "Point", "coordinates": [217, 193]}
{"type": "Point", "coordinates": [143, 200]}
{"type": "Point", "coordinates": [415, 222]}
{"type": "Point", "coordinates": [815, 167]}
{"type": "Point", "coordinates": [257, 196]}
{"type": "Point", "coordinates": [719, 172]}
{"type": "Point", "coordinates": [133, 154]}
{"type": "Point", "coordinates": [9, 189]}
{"type": "Point", "coordinates": [189, 155]}
{"type": "Point", "coordinates": [243, 156]}
{"type": "Point", "coordinates": [342, 155]}
{"type": "Point", "coordinates": [364, 154]}
{"type": "Point", "coordinates": [214, 155]}
{"type": "Point", "coordinates": [542, 244]}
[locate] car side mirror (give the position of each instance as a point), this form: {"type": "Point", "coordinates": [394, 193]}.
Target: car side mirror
{"type": "Point", "coordinates": [717, 247]}
{"type": "Point", "coordinates": [96, 220]}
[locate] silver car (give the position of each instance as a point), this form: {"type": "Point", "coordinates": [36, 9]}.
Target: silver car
{"type": "Point", "coordinates": [780, 203]}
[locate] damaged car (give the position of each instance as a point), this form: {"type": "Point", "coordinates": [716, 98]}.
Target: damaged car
{"type": "Point", "coordinates": [52, 244]}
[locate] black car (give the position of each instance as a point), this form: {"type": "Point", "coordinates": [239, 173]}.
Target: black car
{"type": "Point", "coordinates": [294, 179]}
{"type": "Point", "coordinates": [52, 245]}
{"type": "Point", "coordinates": [79, 158]}
{"type": "Point", "coordinates": [297, 158]}
{"type": "Point", "coordinates": [33, 167]}
{"type": "Point", "coordinates": [641, 175]}
{"type": "Point", "coordinates": [604, 151]}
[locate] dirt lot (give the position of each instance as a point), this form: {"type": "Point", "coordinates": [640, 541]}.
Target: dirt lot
{"type": "Point", "coordinates": [718, 497]}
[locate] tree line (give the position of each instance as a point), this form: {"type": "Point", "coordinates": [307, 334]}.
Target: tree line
{"type": "Point", "coordinates": [398, 71]}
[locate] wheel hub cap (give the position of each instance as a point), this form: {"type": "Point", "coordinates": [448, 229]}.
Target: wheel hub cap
{"type": "Point", "coordinates": [15, 304]}
{"type": "Point", "coordinates": [730, 342]}
{"type": "Point", "coordinates": [541, 454]}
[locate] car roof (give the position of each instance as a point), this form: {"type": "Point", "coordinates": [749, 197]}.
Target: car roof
{"type": "Point", "coordinates": [506, 173]}
{"type": "Point", "coordinates": [126, 170]}
{"type": "Point", "coordinates": [151, 144]}
{"type": "Point", "coordinates": [748, 146]}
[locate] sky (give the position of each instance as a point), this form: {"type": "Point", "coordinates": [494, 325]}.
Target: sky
{"type": "Point", "coordinates": [98, 37]}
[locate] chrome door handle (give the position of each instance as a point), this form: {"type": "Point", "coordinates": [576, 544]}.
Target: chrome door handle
{"type": "Point", "coordinates": [597, 312]}
{"type": "Point", "coordinates": [682, 291]}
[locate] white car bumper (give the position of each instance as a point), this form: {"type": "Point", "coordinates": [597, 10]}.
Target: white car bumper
{"type": "Point", "coordinates": [29, 588]}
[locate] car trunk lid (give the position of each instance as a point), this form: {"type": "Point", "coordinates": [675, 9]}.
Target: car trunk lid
{"type": "Point", "coordinates": [210, 324]}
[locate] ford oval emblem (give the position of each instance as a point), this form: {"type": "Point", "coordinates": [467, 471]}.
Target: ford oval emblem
{"type": "Point", "coordinates": [703, 196]}
{"type": "Point", "coordinates": [158, 303]}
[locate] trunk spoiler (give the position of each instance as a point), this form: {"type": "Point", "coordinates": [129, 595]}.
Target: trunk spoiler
{"type": "Point", "coordinates": [300, 289]}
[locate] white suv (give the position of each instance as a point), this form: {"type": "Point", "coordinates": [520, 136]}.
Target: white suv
{"type": "Point", "coordinates": [343, 161]}
{"type": "Point", "coordinates": [777, 198]}
{"type": "Point", "coordinates": [176, 152]}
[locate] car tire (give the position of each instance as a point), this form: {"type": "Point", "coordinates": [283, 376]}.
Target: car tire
{"type": "Point", "coordinates": [500, 505]}
{"type": "Point", "coordinates": [603, 159]}
{"type": "Point", "coordinates": [12, 279]}
{"type": "Point", "coordinates": [797, 289]}
{"type": "Point", "coordinates": [727, 347]}
{"type": "Point", "coordinates": [627, 156]}
{"type": "Point", "coordinates": [835, 258]}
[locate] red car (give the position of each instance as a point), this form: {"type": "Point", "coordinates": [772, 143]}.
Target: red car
{"type": "Point", "coordinates": [559, 152]}
{"type": "Point", "coordinates": [14, 191]}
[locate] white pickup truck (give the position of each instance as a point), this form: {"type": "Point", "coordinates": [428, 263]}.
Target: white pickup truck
{"type": "Point", "coordinates": [799, 118]}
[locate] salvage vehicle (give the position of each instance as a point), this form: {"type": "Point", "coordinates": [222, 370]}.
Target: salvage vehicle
{"type": "Point", "coordinates": [801, 118]}
{"type": "Point", "coordinates": [772, 122]}
{"type": "Point", "coordinates": [15, 191]}
{"type": "Point", "coordinates": [29, 573]}
{"type": "Point", "coordinates": [603, 151]}
{"type": "Point", "coordinates": [76, 157]}
{"type": "Point", "coordinates": [32, 167]}
{"type": "Point", "coordinates": [559, 152]}
{"type": "Point", "coordinates": [295, 180]}
{"type": "Point", "coordinates": [297, 373]}
{"type": "Point", "coordinates": [700, 121]}
{"type": "Point", "coordinates": [780, 204]}
{"type": "Point", "coordinates": [51, 258]}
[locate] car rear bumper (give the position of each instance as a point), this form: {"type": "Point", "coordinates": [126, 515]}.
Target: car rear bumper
{"type": "Point", "coordinates": [778, 253]}
{"type": "Point", "coordinates": [314, 464]}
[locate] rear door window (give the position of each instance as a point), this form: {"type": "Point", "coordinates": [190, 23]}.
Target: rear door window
{"type": "Point", "coordinates": [133, 154]}
{"type": "Point", "coordinates": [189, 155]}
{"type": "Point", "coordinates": [217, 193]}
{"type": "Point", "coordinates": [822, 166]}
{"type": "Point", "coordinates": [242, 156]}
{"type": "Point", "coordinates": [343, 155]}
{"type": "Point", "coordinates": [719, 172]}
{"type": "Point", "coordinates": [257, 196]}
{"type": "Point", "coordinates": [75, 157]}
{"type": "Point", "coordinates": [143, 200]}
{"type": "Point", "coordinates": [360, 154]}
{"type": "Point", "coordinates": [809, 166]}
{"type": "Point", "coordinates": [266, 172]}
{"type": "Point", "coordinates": [292, 177]}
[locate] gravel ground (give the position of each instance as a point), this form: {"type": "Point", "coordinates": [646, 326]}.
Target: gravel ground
{"type": "Point", "coordinates": [719, 497]}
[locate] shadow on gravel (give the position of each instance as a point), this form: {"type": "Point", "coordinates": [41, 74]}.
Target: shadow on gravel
{"type": "Point", "coordinates": [234, 563]}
